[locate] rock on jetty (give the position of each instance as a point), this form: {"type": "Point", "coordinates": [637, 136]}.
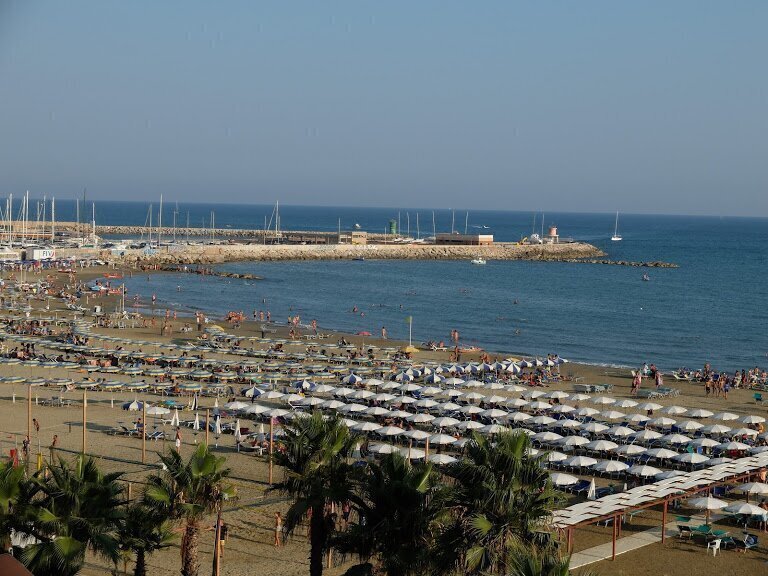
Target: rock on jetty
{"type": "Point", "coordinates": [210, 272]}
{"type": "Point", "coordinates": [206, 254]}
{"type": "Point", "coordinates": [651, 264]}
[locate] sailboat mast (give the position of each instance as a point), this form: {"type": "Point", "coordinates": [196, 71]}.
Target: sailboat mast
{"type": "Point", "coordinates": [418, 232]}
{"type": "Point", "coordinates": [434, 230]}
{"type": "Point", "coordinates": [160, 222]}
{"type": "Point", "coordinates": [53, 219]}
{"type": "Point", "coordinates": [466, 223]}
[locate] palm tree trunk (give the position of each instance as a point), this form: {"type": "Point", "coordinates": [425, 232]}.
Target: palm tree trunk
{"type": "Point", "coordinates": [141, 563]}
{"type": "Point", "coordinates": [317, 541]}
{"type": "Point", "coordinates": [189, 544]}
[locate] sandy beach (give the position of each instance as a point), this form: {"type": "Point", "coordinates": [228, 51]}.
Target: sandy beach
{"type": "Point", "coordinates": [250, 550]}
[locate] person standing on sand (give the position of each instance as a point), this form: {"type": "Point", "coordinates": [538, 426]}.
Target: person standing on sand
{"type": "Point", "coordinates": [383, 332]}
{"type": "Point", "coordinates": [178, 439]}
{"type": "Point", "coordinates": [278, 530]}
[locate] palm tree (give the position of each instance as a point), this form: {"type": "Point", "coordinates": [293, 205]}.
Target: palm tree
{"type": "Point", "coordinates": [11, 486]}
{"type": "Point", "coordinates": [498, 508]}
{"type": "Point", "coordinates": [316, 475]}
{"type": "Point", "coordinates": [189, 492]}
{"type": "Point", "coordinates": [394, 498]}
{"type": "Point", "coordinates": [532, 562]}
{"type": "Point", "coordinates": [70, 511]}
{"type": "Point", "coordinates": [144, 530]}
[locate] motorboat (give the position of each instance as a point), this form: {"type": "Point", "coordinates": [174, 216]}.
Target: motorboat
{"type": "Point", "coordinates": [478, 261]}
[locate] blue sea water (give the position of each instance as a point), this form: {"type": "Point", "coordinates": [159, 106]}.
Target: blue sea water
{"type": "Point", "coordinates": [711, 308]}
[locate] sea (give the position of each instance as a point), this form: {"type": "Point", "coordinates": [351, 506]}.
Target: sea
{"type": "Point", "coordinates": [712, 308]}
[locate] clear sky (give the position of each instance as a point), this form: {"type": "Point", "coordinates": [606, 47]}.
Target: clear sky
{"type": "Point", "coordinates": [567, 106]}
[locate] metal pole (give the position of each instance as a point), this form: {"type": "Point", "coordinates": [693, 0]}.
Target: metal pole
{"type": "Point", "coordinates": [271, 446]}
{"type": "Point", "coordinates": [664, 520]}
{"type": "Point", "coordinates": [143, 431]}
{"type": "Point", "coordinates": [217, 545]}
{"type": "Point", "coordinates": [207, 428]}
{"type": "Point", "coordinates": [613, 543]}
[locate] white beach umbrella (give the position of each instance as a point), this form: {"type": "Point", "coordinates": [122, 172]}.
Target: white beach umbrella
{"type": "Point", "coordinates": [737, 446]}
{"type": "Point", "coordinates": [238, 434]}
{"type": "Point", "coordinates": [744, 432]}
{"type": "Point", "coordinates": [389, 431]}
{"type": "Point", "coordinates": [441, 459]}
{"type": "Point", "coordinates": [573, 441]}
{"type": "Point", "coordinates": [643, 470]}
{"type": "Point", "coordinates": [547, 437]}
{"type": "Point", "coordinates": [382, 397]}
{"type": "Point", "coordinates": [196, 422]}
{"type": "Point", "coordinates": [752, 419]}
{"type": "Point", "coordinates": [629, 449]}
{"type": "Point", "coordinates": [237, 405]}
{"type": "Point", "coordinates": [444, 422]}
{"type": "Point", "coordinates": [689, 426]}
{"type": "Point", "coordinates": [661, 453]}
{"type": "Point", "coordinates": [676, 439]}
{"type": "Point", "coordinates": [415, 435]}
{"type": "Point", "coordinates": [673, 410]}
{"type": "Point", "coordinates": [662, 422]}
{"type": "Point", "coordinates": [603, 400]}
{"type": "Point", "coordinates": [365, 427]}
{"type": "Point", "coordinates": [625, 403]}
{"type": "Point", "coordinates": [553, 456]}
{"type": "Point", "coordinates": [534, 394]}
{"type": "Point", "coordinates": [580, 462]}
{"type": "Point", "coordinates": [637, 418]}
{"type": "Point", "coordinates": [594, 427]}
{"type": "Point", "coordinates": [471, 396]}
{"type": "Point", "coordinates": [175, 418]}
{"type": "Point", "coordinates": [449, 407]}
{"type": "Point", "coordinates": [494, 413]}
{"type": "Point", "coordinates": [492, 429]}
{"type": "Point", "coordinates": [494, 386]}
{"type": "Point", "coordinates": [745, 509]}
{"type": "Point", "coordinates": [376, 411]}
{"type": "Point", "coordinates": [361, 395]}
{"type": "Point", "coordinates": [310, 401]}
{"type": "Point", "coordinates": [420, 418]}
{"type": "Point", "coordinates": [441, 439]}
{"type": "Point", "coordinates": [556, 394]}
{"type": "Point", "coordinates": [649, 406]}
{"type": "Point", "coordinates": [620, 432]}
{"type": "Point", "coordinates": [704, 442]}
{"type": "Point", "coordinates": [716, 429]}
{"type": "Point", "coordinates": [332, 405]}
{"type": "Point", "coordinates": [752, 488]}
{"type": "Point", "coordinates": [469, 425]}
{"type": "Point", "coordinates": [516, 402]}
{"type": "Point", "coordinates": [610, 466]}
{"type": "Point", "coordinates": [382, 449]}
{"type": "Point", "coordinates": [399, 414]}
{"type": "Point", "coordinates": [519, 417]}
{"type": "Point", "coordinates": [256, 409]}
{"type": "Point", "coordinates": [353, 408]}
{"type": "Point", "coordinates": [612, 415]}
{"type": "Point", "coordinates": [579, 397]}
{"type": "Point", "coordinates": [586, 412]}
{"type": "Point", "coordinates": [562, 409]}
{"type": "Point", "coordinates": [412, 453]}
{"type": "Point", "coordinates": [542, 420]}
{"type": "Point", "coordinates": [725, 416]}
{"type": "Point", "coordinates": [601, 445]}
{"type": "Point", "coordinates": [271, 395]}
{"type": "Point", "coordinates": [471, 410]}
{"type": "Point", "coordinates": [495, 399]}
{"type": "Point", "coordinates": [560, 479]}
{"type": "Point", "coordinates": [666, 475]}
{"type": "Point", "coordinates": [646, 435]}
{"type": "Point", "coordinates": [430, 391]}
{"type": "Point", "coordinates": [707, 503]}
{"type": "Point", "coordinates": [690, 458]}
{"type": "Point", "coordinates": [157, 411]}
{"type": "Point", "coordinates": [567, 424]}
{"type": "Point", "coordinates": [699, 413]}
{"type": "Point", "coordinates": [473, 384]}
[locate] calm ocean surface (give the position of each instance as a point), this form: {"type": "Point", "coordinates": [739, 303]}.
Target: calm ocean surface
{"type": "Point", "coordinates": [712, 308]}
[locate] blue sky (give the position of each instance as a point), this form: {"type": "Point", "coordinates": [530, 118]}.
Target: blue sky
{"type": "Point", "coordinates": [570, 106]}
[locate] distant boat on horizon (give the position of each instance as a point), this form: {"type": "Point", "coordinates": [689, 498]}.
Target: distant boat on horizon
{"type": "Point", "coordinates": [616, 237]}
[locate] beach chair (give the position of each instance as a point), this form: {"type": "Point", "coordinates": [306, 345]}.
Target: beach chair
{"type": "Point", "coordinates": [749, 541]}
{"type": "Point", "coordinates": [758, 397]}
{"type": "Point", "coordinates": [704, 530]}
{"type": "Point", "coordinates": [157, 435]}
{"type": "Point", "coordinates": [714, 545]}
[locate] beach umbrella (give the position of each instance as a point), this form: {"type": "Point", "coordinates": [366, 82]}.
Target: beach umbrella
{"type": "Point", "coordinates": [704, 442]}
{"type": "Point", "coordinates": [271, 395]}
{"type": "Point", "coordinates": [471, 410]}
{"type": "Point", "coordinates": [619, 431]}
{"type": "Point", "coordinates": [667, 474]}
{"type": "Point", "coordinates": [473, 384]}
{"type": "Point", "coordinates": [532, 394]}
{"type": "Point", "coordinates": [560, 479]}
{"type": "Point", "coordinates": [473, 396]}
{"type": "Point", "coordinates": [563, 409]}
{"type": "Point", "coordinates": [546, 437]}
{"type": "Point", "coordinates": [752, 488]}
{"type": "Point", "coordinates": [494, 413]}
{"type": "Point", "coordinates": [676, 439]}
{"type": "Point", "coordinates": [352, 408]}
{"type": "Point", "coordinates": [744, 432]}
{"type": "Point", "coordinates": [601, 445]}
{"type": "Point", "coordinates": [310, 401]}
{"type": "Point", "coordinates": [716, 429]}
{"type": "Point", "coordinates": [612, 415]}
{"type": "Point", "coordinates": [661, 453]}
{"type": "Point", "coordinates": [236, 405]}
{"type": "Point", "coordinates": [580, 462]}
{"type": "Point", "coordinates": [637, 419]}
{"type": "Point", "coordinates": [377, 411]}
{"type": "Point", "coordinates": [539, 405]}
{"type": "Point", "coordinates": [604, 400]}
{"type": "Point", "coordinates": [689, 426]}
{"type": "Point", "coordinates": [200, 374]}
{"type": "Point", "coordinates": [649, 406]}
{"type": "Point", "coordinates": [352, 379]}
{"type": "Point", "coordinates": [573, 441]}
{"type": "Point", "coordinates": [449, 407]}
{"type": "Point", "coordinates": [425, 403]}
{"type": "Point", "coordinates": [579, 397]}
{"type": "Point", "coordinates": [594, 427]}
{"type": "Point", "coordinates": [196, 423]}
{"type": "Point", "coordinates": [430, 391]}
{"type": "Point", "coordinates": [157, 411]}
{"type": "Point", "coordinates": [542, 420]}
{"type": "Point", "coordinates": [674, 410]}
{"type": "Point", "coordinates": [251, 392]}
{"type": "Point", "coordinates": [690, 458]}
{"type": "Point", "coordinates": [441, 459]}
{"type": "Point", "coordinates": [586, 412]}
{"type": "Point", "coordinates": [382, 449]}
{"type": "Point", "coordinates": [752, 419]}
{"type": "Point", "coordinates": [556, 394]}
{"type": "Point", "coordinates": [382, 397]}
{"type": "Point", "coordinates": [492, 429]}
{"type": "Point", "coordinates": [707, 503]}
{"type": "Point", "coordinates": [134, 406]}
{"type": "Point", "coordinates": [238, 434]}
{"type": "Point", "coordinates": [625, 403]}
{"type": "Point", "coordinates": [567, 424]}
{"type": "Point", "coordinates": [645, 435]}
{"type": "Point", "coordinates": [365, 427]}
{"type": "Point", "coordinates": [441, 439]}
{"type": "Point", "coordinates": [416, 435]}
{"type": "Point", "coordinates": [745, 509]}
{"type": "Point", "coordinates": [451, 393]}
{"type": "Point", "coordinates": [514, 388]}
{"type": "Point", "coordinates": [420, 418]}
{"type": "Point", "coordinates": [469, 425]}
{"type": "Point", "coordinates": [643, 470]}
{"type": "Point", "coordinates": [256, 409]}
{"type": "Point", "coordinates": [699, 413]}
{"type": "Point", "coordinates": [332, 405]}
{"type": "Point", "coordinates": [323, 389]}
{"type": "Point", "coordinates": [454, 381]}
{"type": "Point", "coordinates": [175, 418]}
{"type": "Point", "coordinates": [495, 399]}
{"type": "Point", "coordinates": [662, 422]}
{"type": "Point", "coordinates": [399, 414]}
{"type": "Point", "coordinates": [629, 450]}
{"type": "Point", "coordinates": [389, 431]}
{"type": "Point", "coordinates": [725, 416]}
{"type": "Point", "coordinates": [433, 378]}
{"type": "Point", "coordinates": [277, 413]}
{"type": "Point", "coordinates": [610, 466]}
{"type": "Point", "coordinates": [444, 422]}
{"type": "Point", "coordinates": [409, 388]}
{"type": "Point", "coordinates": [516, 402]}
{"type": "Point", "coordinates": [190, 386]}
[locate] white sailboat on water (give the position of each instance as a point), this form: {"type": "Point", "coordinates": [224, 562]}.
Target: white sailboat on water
{"type": "Point", "coordinates": [616, 237]}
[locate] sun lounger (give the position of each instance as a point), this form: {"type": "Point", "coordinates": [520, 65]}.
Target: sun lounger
{"type": "Point", "coordinates": [684, 532]}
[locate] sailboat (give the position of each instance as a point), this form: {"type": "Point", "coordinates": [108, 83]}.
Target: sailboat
{"type": "Point", "coordinates": [616, 237]}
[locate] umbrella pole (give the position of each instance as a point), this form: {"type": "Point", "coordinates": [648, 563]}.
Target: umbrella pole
{"type": "Point", "coordinates": [271, 445]}
{"type": "Point", "coordinates": [207, 428]}
{"type": "Point", "coordinates": [144, 432]}
{"type": "Point", "coordinates": [664, 520]}
{"type": "Point", "coordinates": [613, 540]}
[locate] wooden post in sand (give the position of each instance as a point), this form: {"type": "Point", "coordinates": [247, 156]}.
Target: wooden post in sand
{"type": "Point", "coordinates": [85, 420]}
{"type": "Point", "coordinates": [29, 420]}
{"type": "Point", "coordinates": [664, 520]}
{"type": "Point", "coordinates": [271, 446]}
{"type": "Point", "coordinates": [144, 431]}
{"type": "Point", "coordinates": [613, 541]}
{"type": "Point", "coordinates": [207, 428]}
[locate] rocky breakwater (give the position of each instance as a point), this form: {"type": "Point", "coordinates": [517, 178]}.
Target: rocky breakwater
{"type": "Point", "coordinates": [209, 272]}
{"type": "Point", "coordinates": [651, 264]}
{"type": "Point", "coordinates": [257, 252]}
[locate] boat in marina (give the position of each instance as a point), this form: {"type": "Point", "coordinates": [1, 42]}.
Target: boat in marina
{"type": "Point", "coordinates": [478, 261]}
